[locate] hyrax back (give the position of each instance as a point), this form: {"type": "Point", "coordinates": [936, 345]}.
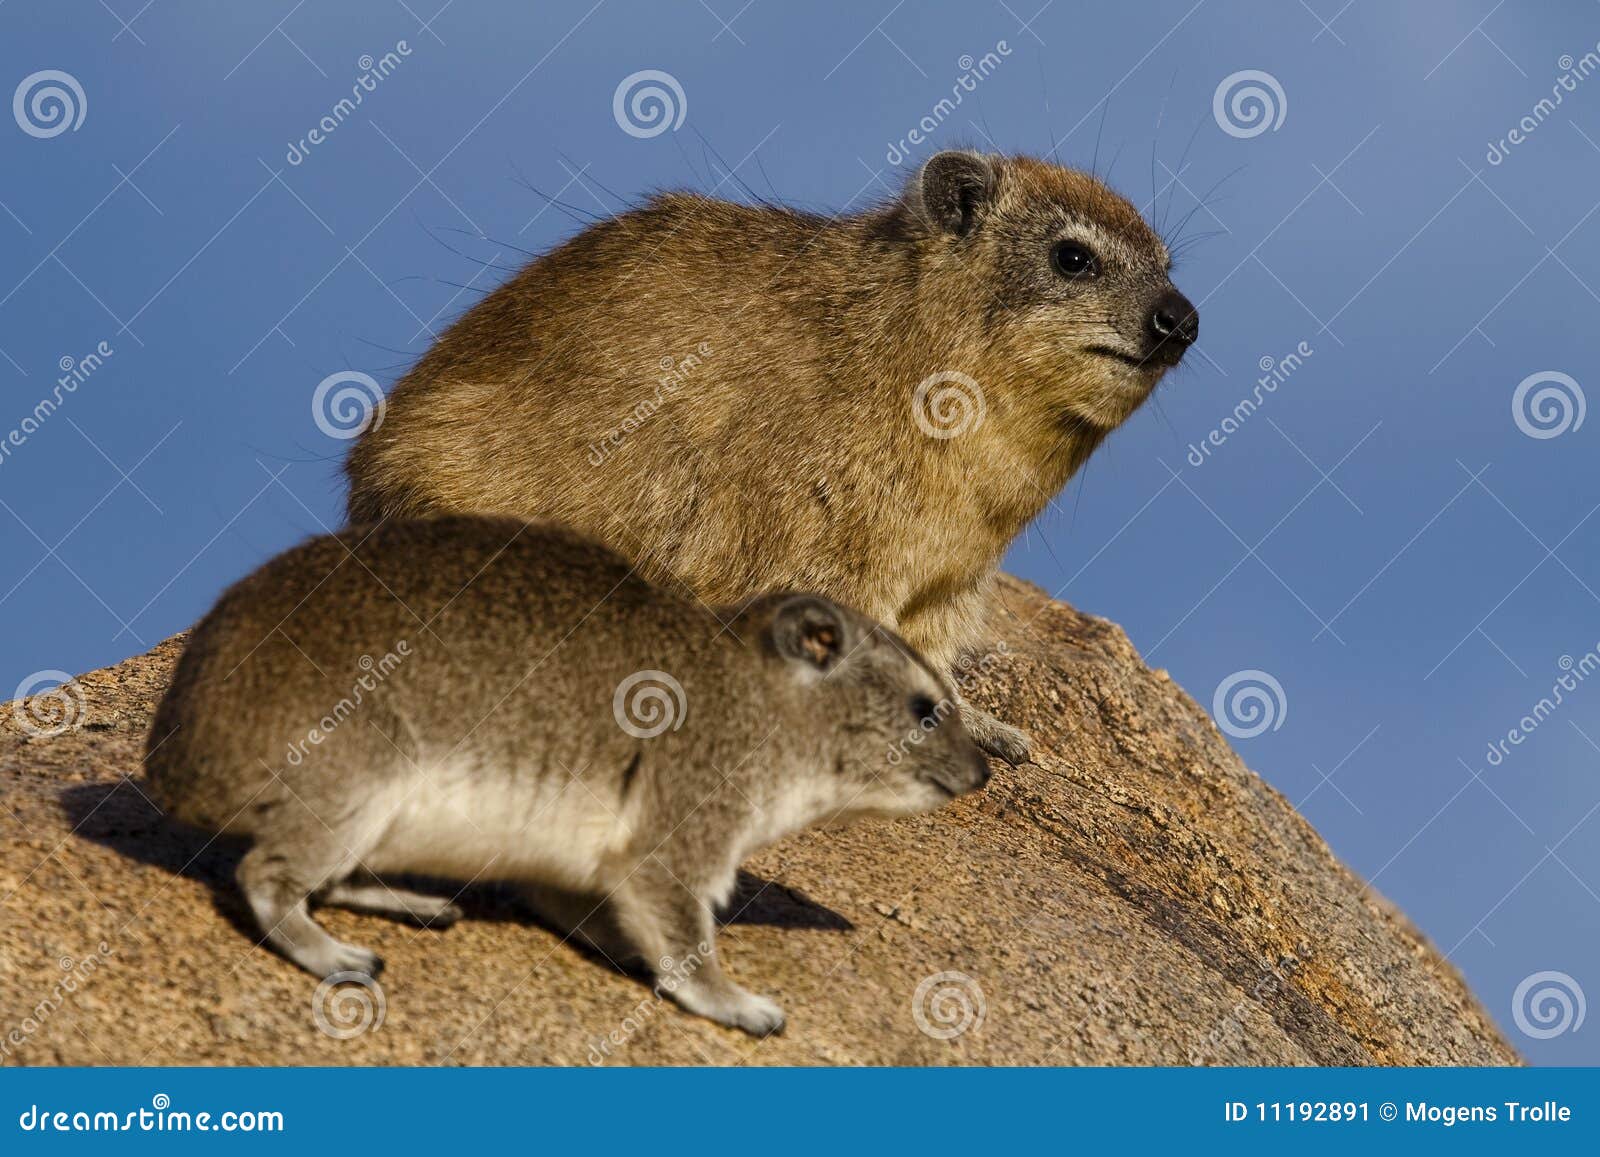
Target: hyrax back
{"type": "Point", "coordinates": [479, 697]}
{"type": "Point", "coordinates": [745, 398]}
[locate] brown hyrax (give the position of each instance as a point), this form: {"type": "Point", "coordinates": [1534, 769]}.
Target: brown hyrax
{"type": "Point", "coordinates": [484, 698]}
{"type": "Point", "coordinates": [748, 397]}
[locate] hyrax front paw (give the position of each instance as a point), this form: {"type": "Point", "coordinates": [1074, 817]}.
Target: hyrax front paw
{"type": "Point", "coordinates": [732, 1006]}
{"type": "Point", "coordinates": [995, 738]}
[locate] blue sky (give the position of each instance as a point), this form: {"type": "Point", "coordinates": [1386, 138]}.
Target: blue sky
{"type": "Point", "coordinates": [1410, 562]}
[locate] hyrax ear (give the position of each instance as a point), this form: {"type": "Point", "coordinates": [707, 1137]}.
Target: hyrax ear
{"type": "Point", "coordinates": [810, 631]}
{"type": "Point", "coordinates": [956, 189]}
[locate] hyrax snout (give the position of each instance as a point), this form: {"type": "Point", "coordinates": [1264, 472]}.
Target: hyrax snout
{"type": "Point", "coordinates": [749, 397]}
{"type": "Point", "coordinates": [485, 698]}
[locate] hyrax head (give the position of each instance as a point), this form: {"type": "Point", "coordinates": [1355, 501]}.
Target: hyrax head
{"type": "Point", "coordinates": [1071, 284]}
{"type": "Point", "coordinates": [883, 723]}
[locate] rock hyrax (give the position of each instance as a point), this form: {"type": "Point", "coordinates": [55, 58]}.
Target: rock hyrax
{"type": "Point", "coordinates": [484, 698]}
{"type": "Point", "coordinates": [748, 397]}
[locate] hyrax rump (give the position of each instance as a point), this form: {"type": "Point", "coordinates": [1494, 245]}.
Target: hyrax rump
{"type": "Point", "coordinates": [483, 698]}
{"type": "Point", "coordinates": [748, 397]}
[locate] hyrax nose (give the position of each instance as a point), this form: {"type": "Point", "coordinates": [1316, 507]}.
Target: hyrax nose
{"type": "Point", "coordinates": [1174, 323]}
{"type": "Point", "coordinates": [980, 769]}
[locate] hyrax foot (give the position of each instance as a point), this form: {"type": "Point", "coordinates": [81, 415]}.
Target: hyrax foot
{"type": "Point", "coordinates": [995, 738]}
{"type": "Point", "coordinates": [732, 1006]}
{"type": "Point", "coordinates": [429, 911]}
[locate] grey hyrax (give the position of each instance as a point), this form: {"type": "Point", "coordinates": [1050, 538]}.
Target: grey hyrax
{"type": "Point", "coordinates": [484, 698]}
{"type": "Point", "coordinates": [750, 397]}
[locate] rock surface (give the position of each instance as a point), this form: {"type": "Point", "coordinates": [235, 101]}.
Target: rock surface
{"type": "Point", "coordinates": [1133, 896]}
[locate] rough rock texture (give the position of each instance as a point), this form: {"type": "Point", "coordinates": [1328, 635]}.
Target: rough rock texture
{"type": "Point", "coordinates": [1134, 896]}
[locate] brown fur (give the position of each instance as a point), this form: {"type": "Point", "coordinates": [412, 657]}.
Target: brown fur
{"type": "Point", "coordinates": [787, 454]}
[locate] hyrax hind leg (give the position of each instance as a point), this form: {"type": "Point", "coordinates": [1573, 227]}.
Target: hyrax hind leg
{"type": "Point", "coordinates": [281, 873]}
{"type": "Point", "coordinates": [671, 928]}
{"type": "Point", "coordinates": [364, 892]}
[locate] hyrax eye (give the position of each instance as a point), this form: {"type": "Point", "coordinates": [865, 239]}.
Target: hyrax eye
{"type": "Point", "coordinates": [923, 709]}
{"type": "Point", "coordinates": [1074, 261]}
